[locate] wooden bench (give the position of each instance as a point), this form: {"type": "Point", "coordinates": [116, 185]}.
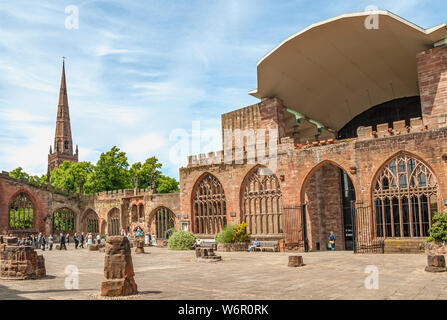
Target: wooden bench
{"type": "Point", "coordinates": [272, 246]}
{"type": "Point", "coordinates": [209, 243]}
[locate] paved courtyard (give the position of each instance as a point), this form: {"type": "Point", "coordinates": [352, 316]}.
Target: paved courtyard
{"type": "Point", "coordinates": [165, 274]}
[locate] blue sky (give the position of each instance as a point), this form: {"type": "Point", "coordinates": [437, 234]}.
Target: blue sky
{"type": "Point", "coordinates": [137, 70]}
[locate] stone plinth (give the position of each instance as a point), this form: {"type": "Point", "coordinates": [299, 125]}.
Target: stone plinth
{"type": "Point", "coordinates": [93, 247]}
{"type": "Point", "coordinates": [296, 261]}
{"type": "Point", "coordinates": [435, 264]}
{"type": "Point", "coordinates": [206, 255]}
{"type": "Point", "coordinates": [118, 268]}
{"type": "Point", "coordinates": [20, 262]}
{"type": "Point", "coordinates": [139, 244]}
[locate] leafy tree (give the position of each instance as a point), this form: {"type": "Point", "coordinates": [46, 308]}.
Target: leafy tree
{"type": "Point", "coordinates": [167, 185]}
{"type": "Point", "coordinates": [68, 175]}
{"type": "Point", "coordinates": [111, 172]}
{"type": "Point", "coordinates": [18, 173]}
{"type": "Point", "coordinates": [163, 184]}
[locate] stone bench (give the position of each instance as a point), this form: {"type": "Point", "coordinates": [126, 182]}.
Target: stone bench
{"type": "Point", "coordinates": [209, 243]}
{"type": "Point", "coordinates": [272, 246]}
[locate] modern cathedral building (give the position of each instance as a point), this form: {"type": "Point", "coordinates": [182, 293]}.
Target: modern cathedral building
{"type": "Point", "coordinates": [349, 136]}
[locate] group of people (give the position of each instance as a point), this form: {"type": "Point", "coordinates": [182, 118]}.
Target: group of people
{"type": "Point", "coordinates": [139, 233]}
{"type": "Point", "coordinates": [331, 243]}
{"type": "Point", "coordinates": [41, 241]}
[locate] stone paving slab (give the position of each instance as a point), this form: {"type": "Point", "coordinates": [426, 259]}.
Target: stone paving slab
{"type": "Point", "coordinates": [165, 274]}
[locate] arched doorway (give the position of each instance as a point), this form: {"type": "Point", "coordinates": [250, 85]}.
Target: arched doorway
{"type": "Point", "coordinates": [405, 196]}
{"type": "Point", "coordinates": [90, 222]}
{"type": "Point", "coordinates": [21, 213]}
{"type": "Point", "coordinates": [261, 203]}
{"type": "Point", "coordinates": [113, 222]}
{"type": "Point", "coordinates": [163, 220]}
{"type": "Point", "coordinates": [64, 221]}
{"type": "Point", "coordinates": [328, 193]}
{"type": "Point", "coordinates": [209, 206]}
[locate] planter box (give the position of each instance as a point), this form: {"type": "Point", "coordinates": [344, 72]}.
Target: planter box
{"type": "Point", "coordinates": [436, 248]}
{"type": "Point", "coordinates": [233, 247]}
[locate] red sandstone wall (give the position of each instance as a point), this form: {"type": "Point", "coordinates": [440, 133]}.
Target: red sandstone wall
{"type": "Point", "coordinates": [432, 72]}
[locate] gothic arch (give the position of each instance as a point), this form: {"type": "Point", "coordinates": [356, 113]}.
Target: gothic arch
{"type": "Point", "coordinates": [90, 221]}
{"type": "Point", "coordinates": [162, 219]}
{"type": "Point", "coordinates": [404, 195]}
{"type": "Point", "coordinates": [64, 220]}
{"type": "Point", "coordinates": [261, 202]}
{"type": "Point", "coordinates": [113, 222]}
{"type": "Point", "coordinates": [22, 211]}
{"type": "Point", "coordinates": [208, 205]}
{"type": "Point", "coordinates": [316, 168]}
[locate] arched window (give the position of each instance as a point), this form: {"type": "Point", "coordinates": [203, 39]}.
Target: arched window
{"type": "Point", "coordinates": [164, 220]}
{"type": "Point", "coordinates": [21, 213]}
{"type": "Point", "coordinates": [404, 197]}
{"type": "Point", "coordinates": [134, 213]}
{"type": "Point", "coordinates": [91, 222]}
{"type": "Point", "coordinates": [64, 220]}
{"type": "Point", "coordinates": [210, 214]}
{"type": "Point", "coordinates": [141, 212]}
{"type": "Point", "coordinates": [114, 222]}
{"type": "Point", "coordinates": [262, 203]}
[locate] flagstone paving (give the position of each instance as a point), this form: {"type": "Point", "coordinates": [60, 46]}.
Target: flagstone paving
{"type": "Point", "coordinates": [165, 274]}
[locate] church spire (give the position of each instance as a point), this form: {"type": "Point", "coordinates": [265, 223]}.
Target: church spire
{"type": "Point", "coordinates": [63, 142]}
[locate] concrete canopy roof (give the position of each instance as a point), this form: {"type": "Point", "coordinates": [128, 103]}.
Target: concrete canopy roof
{"type": "Point", "coordinates": [336, 69]}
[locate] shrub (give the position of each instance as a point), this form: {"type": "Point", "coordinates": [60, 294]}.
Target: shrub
{"type": "Point", "coordinates": [438, 230]}
{"type": "Point", "coordinates": [233, 234]}
{"type": "Point", "coordinates": [226, 235]}
{"type": "Point", "coordinates": [181, 240]}
{"type": "Point", "coordinates": [240, 233]}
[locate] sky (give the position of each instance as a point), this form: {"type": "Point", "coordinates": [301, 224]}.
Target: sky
{"type": "Point", "coordinates": [142, 74]}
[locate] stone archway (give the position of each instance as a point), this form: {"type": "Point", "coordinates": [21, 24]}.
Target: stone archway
{"type": "Point", "coordinates": [113, 222]}
{"type": "Point", "coordinates": [90, 222]}
{"type": "Point", "coordinates": [328, 193]}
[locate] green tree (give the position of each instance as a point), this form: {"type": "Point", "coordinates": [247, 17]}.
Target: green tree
{"type": "Point", "coordinates": [111, 172]}
{"type": "Point", "coordinates": [18, 173]}
{"type": "Point", "coordinates": [438, 230]}
{"type": "Point", "coordinates": [68, 175]}
{"type": "Point", "coordinates": [163, 184]}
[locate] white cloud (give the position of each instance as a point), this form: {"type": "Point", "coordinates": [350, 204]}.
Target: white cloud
{"type": "Point", "coordinates": [145, 146]}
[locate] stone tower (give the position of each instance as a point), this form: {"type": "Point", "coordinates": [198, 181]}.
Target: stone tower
{"type": "Point", "coordinates": [63, 142]}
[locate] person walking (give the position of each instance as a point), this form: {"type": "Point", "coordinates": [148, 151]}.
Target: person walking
{"type": "Point", "coordinates": [332, 241]}
{"type": "Point", "coordinates": [81, 243]}
{"type": "Point", "coordinates": [67, 238]}
{"type": "Point", "coordinates": [89, 239]}
{"type": "Point", "coordinates": [62, 242]}
{"type": "Point", "coordinates": [38, 240]}
{"type": "Point", "coordinates": [50, 242]}
{"type": "Point", "coordinates": [76, 240]}
{"type": "Point", "coordinates": [98, 239]}
{"type": "Point", "coordinates": [42, 242]}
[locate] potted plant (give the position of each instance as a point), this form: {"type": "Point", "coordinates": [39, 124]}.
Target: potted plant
{"type": "Point", "coordinates": [331, 141]}
{"type": "Point", "coordinates": [323, 143]}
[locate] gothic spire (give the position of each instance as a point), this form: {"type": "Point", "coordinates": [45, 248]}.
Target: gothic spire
{"type": "Point", "coordinates": [63, 142]}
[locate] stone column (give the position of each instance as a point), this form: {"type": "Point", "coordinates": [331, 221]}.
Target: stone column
{"type": "Point", "coordinates": [118, 268]}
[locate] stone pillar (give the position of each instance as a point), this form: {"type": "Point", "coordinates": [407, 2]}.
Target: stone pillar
{"type": "Point", "coordinates": [432, 74]}
{"type": "Point", "coordinates": [19, 262]}
{"type": "Point", "coordinates": [118, 268]}
{"type": "Point", "coordinates": [435, 263]}
{"type": "Point", "coordinates": [139, 245]}
{"type": "Point", "coordinates": [296, 261]}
